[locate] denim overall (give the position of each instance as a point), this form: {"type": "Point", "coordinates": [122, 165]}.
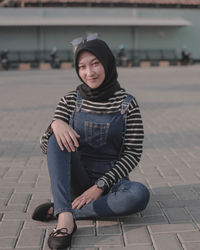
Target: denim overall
{"type": "Point", "coordinates": [101, 137]}
{"type": "Point", "coordinates": [100, 145]}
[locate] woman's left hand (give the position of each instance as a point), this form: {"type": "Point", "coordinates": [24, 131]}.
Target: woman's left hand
{"type": "Point", "coordinates": [91, 194]}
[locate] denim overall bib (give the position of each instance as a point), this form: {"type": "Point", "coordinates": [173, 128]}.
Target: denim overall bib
{"type": "Point", "coordinates": [101, 137]}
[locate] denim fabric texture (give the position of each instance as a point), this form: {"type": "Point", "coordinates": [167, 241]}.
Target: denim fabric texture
{"type": "Point", "coordinates": [101, 140]}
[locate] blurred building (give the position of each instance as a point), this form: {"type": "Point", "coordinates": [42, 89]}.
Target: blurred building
{"type": "Point", "coordinates": [145, 28]}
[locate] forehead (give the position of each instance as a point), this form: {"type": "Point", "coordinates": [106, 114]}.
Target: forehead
{"type": "Point", "coordinates": [85, 56]}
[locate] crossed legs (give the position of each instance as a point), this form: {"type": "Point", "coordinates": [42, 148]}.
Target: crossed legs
{"type": "Point", "coordinates": [68, 177]}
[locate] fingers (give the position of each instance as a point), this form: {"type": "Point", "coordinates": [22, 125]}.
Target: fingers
{"type": "Point", "coordinates": [88, 201]}
{"type": "Point", "coordinates": [59, 142]}
{"type": "Point", "coordinates": [78, 202]}
{"type": "Point", "coordinates": [70, 141]}
{"type": "Point", "coordinates": [66, 136]}
{"type": "Point", "coordinates": [81, 203]}
{"type": "Point", "coordinates": [67, 144]}
{"type": "Point", "coordinates": [74, 136]}
{"type": "Point", "coordinates": [91, 194]}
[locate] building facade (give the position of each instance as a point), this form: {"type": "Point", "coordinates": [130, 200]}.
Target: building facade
{"type": "Point", "coordinates": [30, 30]}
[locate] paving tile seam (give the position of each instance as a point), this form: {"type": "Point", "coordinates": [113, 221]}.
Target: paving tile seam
{"type": "Point", "coordinates": [123, 234]}
{"type": "Point", "coordinates": [19, 232]}
{"type": "Point", "coordinates": [9, 196]}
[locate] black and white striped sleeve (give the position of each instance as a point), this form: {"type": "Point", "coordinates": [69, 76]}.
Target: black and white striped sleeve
{"type": "Point", "coordinates": [63, 112]}
{"type": "Point", "coordinates": [132, 147]}
{"type": "Point", "coordinates": [65, 108]}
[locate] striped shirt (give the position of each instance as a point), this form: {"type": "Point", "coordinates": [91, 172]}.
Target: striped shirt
{"type": "Point", "coordinates": [133, 138]}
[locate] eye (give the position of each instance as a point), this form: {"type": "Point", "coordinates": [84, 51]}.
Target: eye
{"type": "Point", "coordinates": [95, 62]}
{"type": "Point", "coordinates": [81, 67]}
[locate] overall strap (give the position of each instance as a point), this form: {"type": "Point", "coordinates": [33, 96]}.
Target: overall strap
{"type": "Point", "coordinates": [126, 103]}
{"type": "Point", "coordinates": [78, 101]}
{"type": "Point", "coordinates": [77, 108]}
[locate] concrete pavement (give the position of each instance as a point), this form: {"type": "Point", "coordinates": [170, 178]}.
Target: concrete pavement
{"type": "Point", "coordinates": [170, 104]}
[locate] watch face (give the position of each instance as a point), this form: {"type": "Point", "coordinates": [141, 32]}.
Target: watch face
{"type": "Point", "coordinates": [100, 184]}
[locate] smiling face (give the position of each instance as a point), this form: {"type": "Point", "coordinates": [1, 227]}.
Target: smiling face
{"type": "Point", "coordinates": [90, 69]}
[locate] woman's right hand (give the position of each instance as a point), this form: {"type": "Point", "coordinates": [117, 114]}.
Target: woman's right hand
{"type": "Point", "coordinates": [65, 135]}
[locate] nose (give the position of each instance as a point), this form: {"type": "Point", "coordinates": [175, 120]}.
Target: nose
{"type": "Point", "coordinates": [90, 71]}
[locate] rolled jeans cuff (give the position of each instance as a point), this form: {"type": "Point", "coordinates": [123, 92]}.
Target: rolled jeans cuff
{"type": "Point", "coordinates": [61, 210]}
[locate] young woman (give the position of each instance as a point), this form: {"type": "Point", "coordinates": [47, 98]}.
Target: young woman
{"type": "Point", "coordinates": [93, 143]}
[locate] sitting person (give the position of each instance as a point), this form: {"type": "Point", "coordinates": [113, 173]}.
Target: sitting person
{"type": "Point", "coordinates": [93, 143]}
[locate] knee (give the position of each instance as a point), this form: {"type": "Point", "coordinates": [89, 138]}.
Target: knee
{"type": "Point", "coordinates": [52, 139]}
{"type": "Point", "coordinates": [52, 143]}
{"type": "Point", "coordinates": [137, 196]}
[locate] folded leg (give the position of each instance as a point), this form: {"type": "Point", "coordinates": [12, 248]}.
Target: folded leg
{"type": "Point", "coordinates": [125, 198]}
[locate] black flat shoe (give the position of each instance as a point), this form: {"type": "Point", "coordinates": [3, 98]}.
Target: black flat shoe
{"type": "Point", "coordinates": [61, 242]}
{"type": "Point", "coordinates": [41, 212]}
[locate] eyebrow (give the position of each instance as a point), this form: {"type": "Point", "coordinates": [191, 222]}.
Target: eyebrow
{"type": "Point", "coordinates": [91, 60]}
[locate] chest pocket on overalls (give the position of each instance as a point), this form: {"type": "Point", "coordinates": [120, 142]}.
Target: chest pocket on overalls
{"type": "Point", "coordinates": [96, 133]}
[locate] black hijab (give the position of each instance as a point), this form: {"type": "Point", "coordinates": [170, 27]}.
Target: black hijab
{"type": "Point", "coordinates": [110, 84]}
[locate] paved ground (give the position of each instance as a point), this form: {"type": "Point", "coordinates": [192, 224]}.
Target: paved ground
{"type": "Point", "coordinates": [170, 166]}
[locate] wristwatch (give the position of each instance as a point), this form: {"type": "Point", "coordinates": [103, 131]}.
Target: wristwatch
{"type": "Point", "coordinates": [102, 185]}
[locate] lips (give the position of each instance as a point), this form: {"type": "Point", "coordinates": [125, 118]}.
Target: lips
{"type": "Point", "coordinates": [92, 79]}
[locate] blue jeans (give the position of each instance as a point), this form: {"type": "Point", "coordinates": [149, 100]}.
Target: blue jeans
{"type": "Point", "coordinates": [70, 179]}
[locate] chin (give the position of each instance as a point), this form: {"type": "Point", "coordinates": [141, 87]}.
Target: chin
{"type": "Point", "coordinates": [92, 87]}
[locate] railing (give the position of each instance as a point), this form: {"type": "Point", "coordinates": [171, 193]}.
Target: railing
{"type": "Point", "coordinates": [36, 56]}
{"type": "Point", "coordinates": [153, 56]}
{"type": "Point", "coordinates": [133, 56]}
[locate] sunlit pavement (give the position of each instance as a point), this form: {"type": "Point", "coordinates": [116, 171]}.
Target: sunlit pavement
{"type": "Point", "coordinates": [169, 99]}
